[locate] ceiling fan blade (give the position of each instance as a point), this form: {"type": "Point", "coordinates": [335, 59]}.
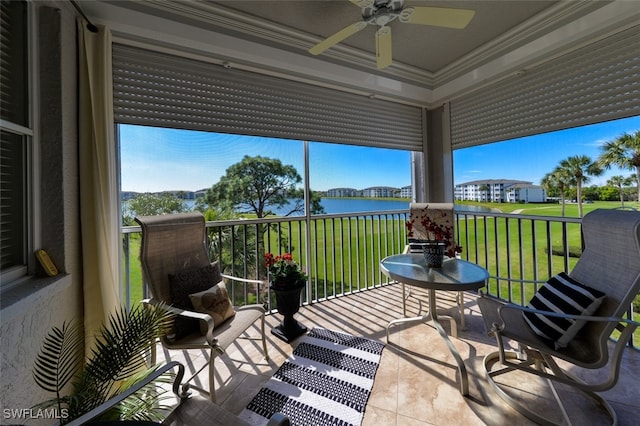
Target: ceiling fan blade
{"type": "Point", "coordinates": [437, 16]}
{"type": "Point", "coordinates": [383, 47]}
{"type": "Point", "coordinates": [337, 37]}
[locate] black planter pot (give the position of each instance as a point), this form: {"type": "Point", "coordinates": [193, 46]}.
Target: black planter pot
{"type": "Point", "coordinates": [288, 303]}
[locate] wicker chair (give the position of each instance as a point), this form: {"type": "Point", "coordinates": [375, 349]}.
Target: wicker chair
{"type": "Point", "coordinates": [175, 243]}
{"type": "Point", "coordinates": [610, 263]}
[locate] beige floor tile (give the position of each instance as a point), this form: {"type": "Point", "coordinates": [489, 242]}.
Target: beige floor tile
{"type": "Point", "coordinates": [375, 416]}
{"type": "Point", "coordinates": [417, 382]}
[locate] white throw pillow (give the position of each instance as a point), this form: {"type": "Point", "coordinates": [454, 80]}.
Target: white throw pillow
{"type": "Point", "coordinates": [215, 302]}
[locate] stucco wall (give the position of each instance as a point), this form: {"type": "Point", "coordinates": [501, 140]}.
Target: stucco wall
{"type": "Point", "coordinates": [30, 309]}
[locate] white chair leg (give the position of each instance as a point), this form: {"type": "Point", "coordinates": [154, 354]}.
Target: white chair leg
{"type": "Point", "coordinates": [461, 309]}
{"type": "Point", "coordinates": [212, 385]}
{"type": "Point", "coordinates": [264, 339]}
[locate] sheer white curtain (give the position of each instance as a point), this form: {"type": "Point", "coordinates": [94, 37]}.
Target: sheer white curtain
{"type": "Point", "coordinates": [98, 179]}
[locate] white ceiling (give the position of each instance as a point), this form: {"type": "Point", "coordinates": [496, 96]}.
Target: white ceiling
{"type": "Point", "coordinates": [429, 63]}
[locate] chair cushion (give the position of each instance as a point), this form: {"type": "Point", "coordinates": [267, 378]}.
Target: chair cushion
{"type": "Point", "coordinates": [562, 294]}
{"type": "Point", "coordinates": [215, 302]}
{"type": "Point", "coordinates": [181, 285]}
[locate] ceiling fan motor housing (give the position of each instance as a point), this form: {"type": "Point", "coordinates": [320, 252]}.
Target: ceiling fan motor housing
{"type": "Point", "coordinates": [382, 12]}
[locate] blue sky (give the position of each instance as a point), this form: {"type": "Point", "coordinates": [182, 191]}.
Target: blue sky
{"type": "Point", "coordinates": [155, 159]}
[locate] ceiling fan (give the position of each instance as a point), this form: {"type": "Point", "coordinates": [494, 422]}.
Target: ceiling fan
{"type": "Point", "coordinates": [382, 12]}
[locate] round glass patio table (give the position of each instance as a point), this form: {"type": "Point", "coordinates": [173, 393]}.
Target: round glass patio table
{"type": "Point", "coordinates": [454, 275]}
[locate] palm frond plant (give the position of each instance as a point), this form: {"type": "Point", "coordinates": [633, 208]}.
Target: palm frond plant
{"type": "Point", "coordinates": [116, 362]}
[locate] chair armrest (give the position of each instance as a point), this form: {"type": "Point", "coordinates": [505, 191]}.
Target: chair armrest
{"type": "Point", "coordinates": [519, 280]}
{"type": "Point", "coordinates": [590, 318]}
{"type": "Point", "coordinates": [213, 342]}
{"type": "Point", "coordinates": [244, 280]}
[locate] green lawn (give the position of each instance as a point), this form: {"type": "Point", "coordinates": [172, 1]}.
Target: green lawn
{"type": "Point", "coordinates": [571, 209]}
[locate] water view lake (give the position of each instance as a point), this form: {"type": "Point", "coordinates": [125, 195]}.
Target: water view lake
{"type": "Point", "coordinates": [358, 205]}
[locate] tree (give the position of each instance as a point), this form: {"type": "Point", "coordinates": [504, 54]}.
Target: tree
{"type": "Point", "coordinates": [151, 205]}
{"type": "Point", "coordinates": [623, 152]}
{"type": "Point", "coordinates": [259, 185]}
{"type": "Point", "coordinates": [256, 185]}
{"type": "Point", "coordinates": [314, 202]}
{"type": "Point", "coordinates": [591, 193]}
{"type": "Point", "coordinates": [608, 193]}
{"type": "Point", "coordinates": [558, 181]}
{"type": "Point", "coordinates": [620, 182]}
{"type": "Point", "coordinates": [580, 167]}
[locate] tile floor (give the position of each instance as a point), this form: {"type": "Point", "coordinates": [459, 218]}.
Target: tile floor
{"type": "Point", "coordinates": [417, 382]}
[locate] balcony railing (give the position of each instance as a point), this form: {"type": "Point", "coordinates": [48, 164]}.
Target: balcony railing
{"type": "Point", "coordinates": [341, 252]}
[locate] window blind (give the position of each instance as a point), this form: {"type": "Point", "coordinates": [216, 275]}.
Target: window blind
{"type": "Point", "coordinates": [163, 90]}
{"type": "Point", "coordinates": [595, 83]}
{"type": "Point", "coordinates": [14, 112]}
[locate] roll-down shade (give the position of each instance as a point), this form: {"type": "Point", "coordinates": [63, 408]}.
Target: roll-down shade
{"type": "Point", "coordinates": [595, 83]}
{"type": "Point", "coordinates": [159, 89]}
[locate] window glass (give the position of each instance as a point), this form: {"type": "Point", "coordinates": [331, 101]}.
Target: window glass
{"type": "Point", "coordinates": [357, 178]}
{"type": "Point", "coordinates": [170, 164]}
{"type": "Point", "coordinates": [532, 159]}
{"type": "Point", "coordinates": [12, 210]}
{"type": "Point", "coordinates": [176, 168]}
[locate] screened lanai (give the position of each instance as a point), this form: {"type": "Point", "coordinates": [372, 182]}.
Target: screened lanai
{"type": "Point", "coordinates": [243, 67]}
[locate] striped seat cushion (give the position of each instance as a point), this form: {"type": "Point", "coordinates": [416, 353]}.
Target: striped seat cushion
{"type": "Point", "coordinates": [562, 294]}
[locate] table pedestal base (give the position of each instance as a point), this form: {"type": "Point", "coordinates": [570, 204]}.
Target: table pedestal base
{"type": "Point", "coordinates": [431, 318]}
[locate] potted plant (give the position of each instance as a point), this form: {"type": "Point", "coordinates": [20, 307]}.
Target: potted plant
{"type": "Point", "coordinates": [432, 230]}
{"type": "Point", "coordinates": [287, 281]}
{"type": "Point", "coordinates": [116, 363]}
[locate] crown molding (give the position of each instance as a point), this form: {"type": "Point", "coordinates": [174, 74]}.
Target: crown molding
{"type": "Point", "coordinates": [545, 21]}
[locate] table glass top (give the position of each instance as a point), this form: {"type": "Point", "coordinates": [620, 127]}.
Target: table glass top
{"type": "Point", "coordinates": [455, 274]}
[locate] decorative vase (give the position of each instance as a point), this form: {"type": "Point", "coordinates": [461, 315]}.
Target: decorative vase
{"type": "Point", "coordinates": [434, 253]}
{"type": "Point", "coordinates": [288, 304]}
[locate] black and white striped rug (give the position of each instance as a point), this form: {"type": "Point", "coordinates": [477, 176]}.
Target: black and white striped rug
{"type": "Point", "coordinates": [326, 381]}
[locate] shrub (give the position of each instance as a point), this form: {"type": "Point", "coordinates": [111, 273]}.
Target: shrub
{"type": "Point", "coordinates": [574, 251]}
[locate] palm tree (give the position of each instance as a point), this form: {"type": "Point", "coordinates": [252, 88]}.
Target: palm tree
{"type": "Point", "coordinates": [580, 167]}
{"type": "Point", "coordinates": [557, 180]}
{"type": "Point", "coordinates": [623, 152]}
{"type": "Point", "coordinates": [620, 182]}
